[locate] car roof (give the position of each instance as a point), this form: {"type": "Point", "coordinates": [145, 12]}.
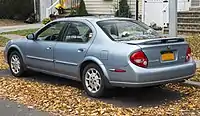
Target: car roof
{"type": "Point", "coordinates": [92, 18]}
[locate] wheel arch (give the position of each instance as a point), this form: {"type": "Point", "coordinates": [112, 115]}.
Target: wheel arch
{"type": "Point", "coordinates": [14, 48]}
{"type": "Point", "coordinates": [92, 59]}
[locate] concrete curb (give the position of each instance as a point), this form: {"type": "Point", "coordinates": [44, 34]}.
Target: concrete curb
{"type": "Point", "coordinates": [198, 63]}
{"type": "Point", "coordinates": [192, 83]}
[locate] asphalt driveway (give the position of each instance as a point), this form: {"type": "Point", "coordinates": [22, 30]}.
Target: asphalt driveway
{"type": "Point", "coordinates": [8, 108]}
{"type": "Point", "coordinates": [123, 97]}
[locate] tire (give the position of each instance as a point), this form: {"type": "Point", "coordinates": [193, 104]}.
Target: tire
{"type": "Point", "coordinates": [16, 64]}
{"type": "Point", "coordinates": [93, 80]}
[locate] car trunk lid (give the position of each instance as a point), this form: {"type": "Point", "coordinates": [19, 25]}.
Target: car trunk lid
{"type": "Point", "coordinates": [162, 51]}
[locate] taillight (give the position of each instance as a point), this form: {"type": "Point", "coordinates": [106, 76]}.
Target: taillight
{"type": "Point", "coordinates": [188, 54]}
{"type": "Point", "coordinates": [139, 58]}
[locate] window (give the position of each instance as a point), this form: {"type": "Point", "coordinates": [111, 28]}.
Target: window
{"type": "Point", "coordinates": [51, 33]}
{"type": "Point", "coordinates": [126, 30]}
{"type": "Point", "coordinates": [78, 32]}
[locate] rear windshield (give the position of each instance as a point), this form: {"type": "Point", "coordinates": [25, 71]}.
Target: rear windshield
{"type": "Point", "coordinates": [126, 30]}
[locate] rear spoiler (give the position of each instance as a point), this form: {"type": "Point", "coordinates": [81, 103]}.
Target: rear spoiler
{"type": "Point", "coordinates": [158, 41]}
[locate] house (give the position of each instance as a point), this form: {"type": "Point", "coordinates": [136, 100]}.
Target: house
{"type": "Point", "coordinates": [188, 15]}
{"type": "Point", "coordinates": [95, 7]}
{"type": "Point", "coordinates": [157, 11]}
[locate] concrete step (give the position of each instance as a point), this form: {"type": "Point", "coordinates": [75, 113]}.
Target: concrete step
{"type": "Point", "coordinates": [188, 14]}
{"type": "Point", "coordinates": [188, 19]}
{"type": "Point", "coordinates": [67, 11]}
{"type": "Point", "coordinates": [194, 8]}
{"type": "Point", "coordinates": [189, 26]}
{"type": "Point", "coordinates": [183, 31]}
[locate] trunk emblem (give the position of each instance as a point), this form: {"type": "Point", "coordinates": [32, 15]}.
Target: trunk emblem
{"type": "Point", "coordinates": [168, 47]}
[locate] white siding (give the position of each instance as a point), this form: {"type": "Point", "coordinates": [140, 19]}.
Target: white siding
{"type": "Point", "coordinates": [99, 7]}
{"type": "Point", "coordinates": [140, 7]}
{"type": "Point", "coordinates": [103, 7]}
{"type": "Point", "coordinates": [43, 5]}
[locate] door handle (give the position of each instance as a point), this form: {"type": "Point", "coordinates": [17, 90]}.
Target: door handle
{"type": "Point", "coordinates": [81, 50]}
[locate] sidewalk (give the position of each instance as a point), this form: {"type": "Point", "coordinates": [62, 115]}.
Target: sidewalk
{"type": "Point", "coordinates": [20, 27]}
{"type": "Point", "coordinates": [13, 36]}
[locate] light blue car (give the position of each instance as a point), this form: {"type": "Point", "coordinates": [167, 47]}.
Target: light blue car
{"type": "Point", "coordinates": [102, 53]}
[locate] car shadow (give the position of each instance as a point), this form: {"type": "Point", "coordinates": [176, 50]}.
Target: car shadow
{"type": "Point", "coordinates": [145, 97]}
{"type": "Point", "coordinates": [121, 97]}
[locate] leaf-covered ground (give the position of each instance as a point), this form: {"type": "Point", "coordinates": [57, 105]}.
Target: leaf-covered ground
{"type": "Point", "coordinates": [197, 76]}
{"type": "Point", "coordinates": [3, 41]}
{"type": "Point", "coordinates": [68, 100]}
{"type": "Point", "coordinates": [194, 42]}
{"type": "Point", "coordinates": [3, 64]}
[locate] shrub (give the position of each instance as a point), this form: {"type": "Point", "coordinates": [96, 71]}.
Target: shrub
{"type": "Point", "coordinates": [46, 20]}
{"type": "Point", "coordinates": [124, 10]}
{"type": "Point", "coordinates": [81, 10]}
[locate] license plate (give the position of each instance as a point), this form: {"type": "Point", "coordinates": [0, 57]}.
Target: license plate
{"type": "Point", "coordinates": [167, 56]}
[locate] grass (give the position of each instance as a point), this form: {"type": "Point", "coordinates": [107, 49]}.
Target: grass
{"type": "Point", "coordinates": [21, 32]}
{"type": "Point", "coordinates": [3, 41]}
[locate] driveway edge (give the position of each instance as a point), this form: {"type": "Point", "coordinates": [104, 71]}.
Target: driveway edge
{"type": "Point", "coordinates": [191, 83]}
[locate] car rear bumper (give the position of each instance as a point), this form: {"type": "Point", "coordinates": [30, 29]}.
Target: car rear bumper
{"type": "Point", "coordinates": [152, 83]}
{"type": "Point", "coordinates": [140, 77]}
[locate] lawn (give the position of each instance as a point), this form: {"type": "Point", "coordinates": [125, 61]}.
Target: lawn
{"type": "Point", "coordinates": [3, 41]}
{"type": "Point", "coordinates": [194, 42]}
{"type": "Point", "coordinates": [21, 32]}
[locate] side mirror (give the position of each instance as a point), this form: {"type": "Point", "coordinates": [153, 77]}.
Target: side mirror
{"type": "Point", "coordinates": [30, 36]}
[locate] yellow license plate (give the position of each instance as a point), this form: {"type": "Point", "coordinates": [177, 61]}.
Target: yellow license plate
{"type": "Point", "coordinates": [167, 56]}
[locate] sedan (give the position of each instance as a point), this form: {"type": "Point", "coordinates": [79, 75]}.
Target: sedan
{"type": "Point", "coordinates": [102, 53]}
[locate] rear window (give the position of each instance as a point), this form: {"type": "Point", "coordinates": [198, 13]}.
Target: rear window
{"type": "Point", "coordinates": [126, 30]}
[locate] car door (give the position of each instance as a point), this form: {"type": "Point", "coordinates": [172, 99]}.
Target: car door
{"type": "Point", "coordinates": [71, 51]}
{"type": "Point", "coordinates": [39, 52]}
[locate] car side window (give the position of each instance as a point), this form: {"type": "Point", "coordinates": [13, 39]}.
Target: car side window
{"type": "Point", "coordinates": [51, 33]}
{"type": "Point", "coordinates": [78, 32]}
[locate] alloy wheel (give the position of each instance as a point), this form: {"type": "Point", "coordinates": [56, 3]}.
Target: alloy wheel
{"type": "Point", "coordinates": [93, 80]}
{"type": "Point", "coordinates": [15, 64]}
